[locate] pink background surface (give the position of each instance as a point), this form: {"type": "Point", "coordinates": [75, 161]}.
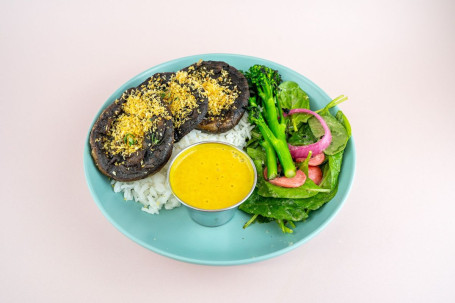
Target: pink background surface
{"type": "Point", "coordinates": [393, 241]}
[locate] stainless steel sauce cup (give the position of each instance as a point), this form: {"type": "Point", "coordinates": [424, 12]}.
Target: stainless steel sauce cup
{"type": "Point", "coordinates": [212, 217]}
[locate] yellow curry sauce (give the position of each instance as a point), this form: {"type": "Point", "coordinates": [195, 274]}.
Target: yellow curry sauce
{"type": "Point", "coordinates": [211, 176]}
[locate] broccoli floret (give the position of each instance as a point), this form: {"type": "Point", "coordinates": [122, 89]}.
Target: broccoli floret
{"type": "Point", "coordinates": [261, 77]}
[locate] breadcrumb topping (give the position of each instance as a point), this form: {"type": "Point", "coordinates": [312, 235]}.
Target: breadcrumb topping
{"type": "Point", "coordinates": [140, 116]}
{"type": "Point", "coordinates": [217, 90]}
{"type": "Point", "coordinates": [178, 92]}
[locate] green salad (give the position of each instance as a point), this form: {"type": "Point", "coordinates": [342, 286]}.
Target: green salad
{"type": "Point", "coordinates": [297, 152]}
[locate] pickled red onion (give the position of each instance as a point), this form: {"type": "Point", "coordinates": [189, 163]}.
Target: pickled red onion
{"type": "Point", "coordinates": [316, 148]}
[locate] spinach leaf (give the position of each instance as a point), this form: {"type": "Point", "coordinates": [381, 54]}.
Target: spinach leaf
{"type": "Point", "coordinates": [291, 96]}
{"type": "Point", "coordinates": [331, 172]}
{"type": "Point", "coordinates": [279, 209]}
{"type": "Point", "coordinates": [304, 136]}
{"type": "Point", "coordinates": [320, 199]}
{"type": "Point", "coordinates": [344, 121]}
{"type": "Point", "coordinates": [255, 138]}
{"type": "Point", "coordinates": [333, 103]}
{"type": "Point", "coordinates": [257, 154]}
{"type": "Point", "coordinates": [339, 134]}
{"type": "Point", "coordinates": [308, 189]}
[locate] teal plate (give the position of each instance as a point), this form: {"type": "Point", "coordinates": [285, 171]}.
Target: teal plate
{"type": "Point", "coordinates": [173, 234]}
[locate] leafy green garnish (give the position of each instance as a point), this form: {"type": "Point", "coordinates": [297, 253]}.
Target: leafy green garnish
{"type": "Point", "coordinates": [253, 218]}
{"type": "Point", "coordinates": [129, 138]}
{"type": "Point", "coordinates": [154, 139]}
{"type": "Point", "coordinates": [333, 103]}
{"type": "Point", "coordinates": [344, 121]}
{"type": "Point", "coordinates": [255, 138]}
{"type": "Point", "coordinates": [340, 136]}
{"type": "Point", "coordinates": [277, 208]}
{"type": "Point", "coordinates": [291, 96]}
{"type": "Point", "coordinates": [304, 136]}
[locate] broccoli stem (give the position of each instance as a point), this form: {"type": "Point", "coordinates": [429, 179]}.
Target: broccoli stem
{"type": "Point", "coordinates": [284, 228]}
{"type": "Point", "coordinates": [280, 111]}
{"type": "Point", "coordinates": [333, 103]}
{"type": "Point", "coordinates": [280, 146]}
{"type": "Point", "coordinates": [271, 113]}
{"type": "Point", "coordinates": [270, 161]}
{"type": "Point", "coordinates": [277, 129]}
{"type": "Point", "coordinates": [253, 218]}
{"type": "Point", "coordinates": [304, 165]}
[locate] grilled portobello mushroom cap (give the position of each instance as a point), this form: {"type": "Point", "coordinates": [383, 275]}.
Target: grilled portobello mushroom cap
{"type": "Point", "coordinates": [126, 157]}
{"type": "Point", "coordinates": [187, 103]}
{"type": "Point", "coordinates": [233, 85]}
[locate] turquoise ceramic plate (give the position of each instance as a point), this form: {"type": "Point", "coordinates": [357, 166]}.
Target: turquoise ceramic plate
{"type": "Point", "coordinates": [173, 234]}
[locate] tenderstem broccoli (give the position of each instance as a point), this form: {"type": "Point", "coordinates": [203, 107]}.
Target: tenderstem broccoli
{"type": "Point", "coordinates": [280, 146]}
{"type": "Point", "coordinates": [264, 82]}
{"type": "Point", "coordinates": [270, 160]}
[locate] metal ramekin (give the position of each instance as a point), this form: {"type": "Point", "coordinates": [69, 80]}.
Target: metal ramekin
{"type": "Point", "coordinates": [212, 217]}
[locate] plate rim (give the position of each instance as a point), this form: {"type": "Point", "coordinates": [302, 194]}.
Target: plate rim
{"type": "Point", "coordinates": [243, 261]}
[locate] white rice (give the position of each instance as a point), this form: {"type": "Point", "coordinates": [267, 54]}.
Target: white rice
{"type": "Point", "coordinates": [153, 192]}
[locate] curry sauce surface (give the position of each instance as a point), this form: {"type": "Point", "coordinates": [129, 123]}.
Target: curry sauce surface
{"type": "Point", "coordinates": [211, 176]}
